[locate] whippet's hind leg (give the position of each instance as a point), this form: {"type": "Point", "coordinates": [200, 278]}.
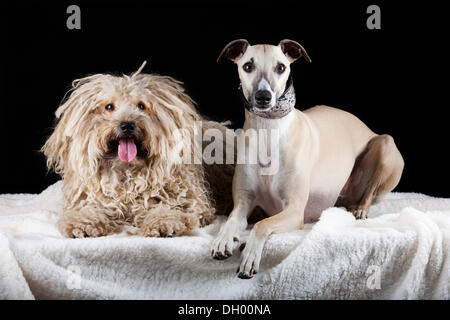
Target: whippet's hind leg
{"type": "Point", "coordinates": [377, 171]}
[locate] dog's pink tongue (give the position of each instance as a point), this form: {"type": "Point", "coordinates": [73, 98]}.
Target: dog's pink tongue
{"type": "Point", "coordinates": [127, 150]}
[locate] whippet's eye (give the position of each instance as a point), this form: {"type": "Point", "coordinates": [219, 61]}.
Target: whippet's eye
{"type": "Point", "coordinates": [280, 68]}
{"type": "Point", "coordinates": [248, 67]}
{"type": "Point", "coordinates": [141, 106]}
{"type": "Point", "coordinates": [109, 107]}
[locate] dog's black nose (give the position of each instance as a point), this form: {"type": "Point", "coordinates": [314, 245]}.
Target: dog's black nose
{"type": "Point", "coordinates": [127, 127]}
{"type": "Point", "coordinates": [263, 97]}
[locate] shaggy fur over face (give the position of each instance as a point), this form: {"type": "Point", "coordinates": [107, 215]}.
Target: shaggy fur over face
{"type": "Point", "coordinates": [149, 189]}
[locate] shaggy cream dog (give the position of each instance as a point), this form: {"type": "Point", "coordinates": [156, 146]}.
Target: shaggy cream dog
{"type": "Point", "coordinates": [115, 147]}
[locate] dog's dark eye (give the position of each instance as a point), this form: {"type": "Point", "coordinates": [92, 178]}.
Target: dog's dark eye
{"type": "Point", "coordinates": [110, 107]}
{"type": "Point", "coordinates": [248, 67]}
{"type": "Point", "coordinates": [141, 106]}
{"type": "Point", "coordinates": [280, 68]}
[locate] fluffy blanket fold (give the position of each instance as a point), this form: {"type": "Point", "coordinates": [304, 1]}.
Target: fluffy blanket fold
{"type": "Point", "coordinates": [401, 252]}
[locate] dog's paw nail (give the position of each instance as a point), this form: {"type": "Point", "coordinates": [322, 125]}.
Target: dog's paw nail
{"type": "Point", "coordinates": [243, 275]}
{"type": "Point", "coordinates": [359, 213]}
{"type": "Point", "coordinates": [219, 256]}
{"type": "Point", "coordinates": [78, 233]}
{"type": "Point", "coordinates": [242, 246]}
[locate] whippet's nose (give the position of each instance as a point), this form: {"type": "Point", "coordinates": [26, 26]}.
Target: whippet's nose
{"type": "Point", "coordinates": [127, 127]}
{"type": "Point", "coordinates": [263, 97]}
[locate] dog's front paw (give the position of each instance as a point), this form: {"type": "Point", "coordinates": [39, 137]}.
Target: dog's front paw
{"type": "Point", "coordinates": [86, 222]}
{"type": "Point", "coordinates": [162, 227]}
{"type": "Point", "coordinates": [79, 230]}
{"type": "Point", "coordinates": [222, 246]}
{"type": "Point", "coordinates": [251, 257]}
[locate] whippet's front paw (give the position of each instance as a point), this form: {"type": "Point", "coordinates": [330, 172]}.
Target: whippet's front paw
{"type": "Point", "coordinates": [251, 257]}
{"type": "Point", "coordinates": [223, 245]}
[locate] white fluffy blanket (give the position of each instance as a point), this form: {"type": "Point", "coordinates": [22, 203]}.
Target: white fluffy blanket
{"type": "Point", "coordinates": [401, 252]}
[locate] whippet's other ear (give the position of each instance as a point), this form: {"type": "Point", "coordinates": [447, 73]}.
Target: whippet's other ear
{"type": "Point", "coordinates": [234, 50]}
{"type": "Point", "coordinates": [293, 50]}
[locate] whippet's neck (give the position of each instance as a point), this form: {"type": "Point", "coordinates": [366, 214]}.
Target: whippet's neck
{"type": "Point", "coordinates": [256, 122]}
{"type": "Point", "coordinates": [272, 134]}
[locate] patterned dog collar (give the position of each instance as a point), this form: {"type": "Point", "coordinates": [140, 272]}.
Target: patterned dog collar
{"type": "Point", "coordinates": [282, 107]}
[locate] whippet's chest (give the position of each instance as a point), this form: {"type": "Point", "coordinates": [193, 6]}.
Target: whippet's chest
{"type": "Point", "coordinates": [269, 173]}
{"type": "Point", "coordinates": [278, 178]}
{"type": "Point", "coordinates": [269, 194]}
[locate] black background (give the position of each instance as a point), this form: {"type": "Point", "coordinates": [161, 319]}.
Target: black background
{"type": "Point", "coordinates": [393, 79]}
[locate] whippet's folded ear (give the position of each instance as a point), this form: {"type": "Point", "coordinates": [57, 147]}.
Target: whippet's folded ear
{"type": "Point", "coordinates": [234, 50]}
{"type": "Point", "coordinates": [293, 50]}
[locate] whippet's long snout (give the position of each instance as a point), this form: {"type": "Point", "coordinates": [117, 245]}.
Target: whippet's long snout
{"type": "Point", "coordinates": [263, 98]}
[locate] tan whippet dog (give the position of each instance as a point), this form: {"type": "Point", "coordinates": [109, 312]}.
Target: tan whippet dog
{"type": "Point", "coordinates": [328, 157]}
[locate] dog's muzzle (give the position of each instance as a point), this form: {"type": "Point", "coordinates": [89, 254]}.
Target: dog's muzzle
{"type": "Point", "coordinates": [285, 103]}
{"type": "Point", "coordinates": [125, 142]}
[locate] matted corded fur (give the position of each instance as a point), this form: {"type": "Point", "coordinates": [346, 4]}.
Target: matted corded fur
{"type": "Point", "coordinates": [155, 192]}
